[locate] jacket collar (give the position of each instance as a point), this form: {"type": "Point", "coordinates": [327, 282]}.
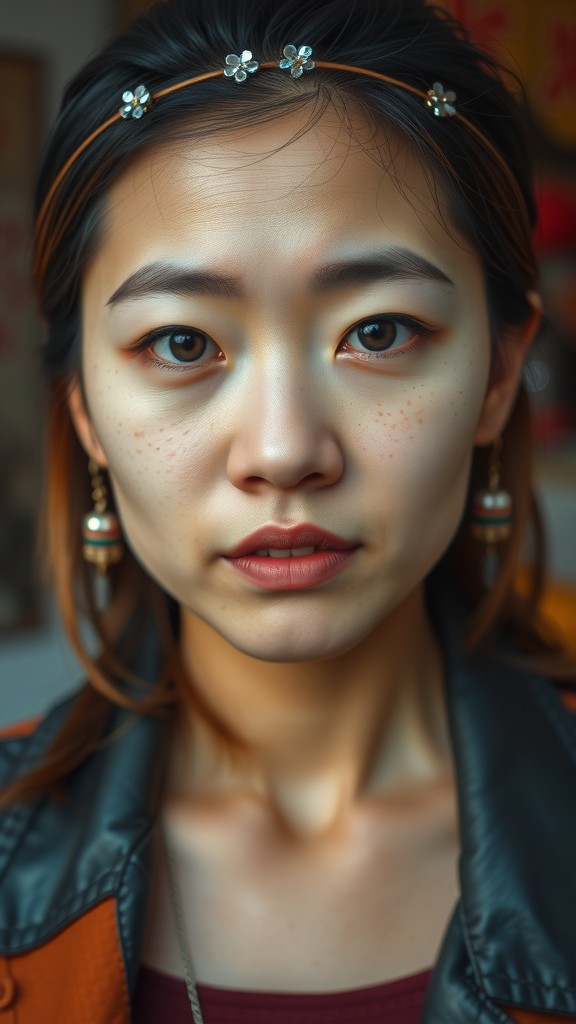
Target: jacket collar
{"type": "Point", "coordinates": [514, 748]}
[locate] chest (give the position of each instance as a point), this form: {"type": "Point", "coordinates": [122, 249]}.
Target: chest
{"type": "Point", "coordinates": [263, 911]}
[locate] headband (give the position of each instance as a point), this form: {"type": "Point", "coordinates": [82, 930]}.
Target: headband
{"type": "Point", "coordinates": [136, 103]}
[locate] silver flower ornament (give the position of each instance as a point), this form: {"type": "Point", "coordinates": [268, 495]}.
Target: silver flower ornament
{"type": "Point", "coordinates": [239, 67]}
{"type": "Point", "coordinates": [297, 60]}
{"type": "Point", "coordinates": [442, 103]}
{"type": "Point", "coordinates": [135, 103]}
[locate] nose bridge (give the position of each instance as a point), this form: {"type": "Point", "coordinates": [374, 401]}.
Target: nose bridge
{"type": "Point", "coordinates": [284, 432]}
{"type": "Point", "coordinates": [283, 420]}
{"type": "Point", "coordinates": [283, 386]}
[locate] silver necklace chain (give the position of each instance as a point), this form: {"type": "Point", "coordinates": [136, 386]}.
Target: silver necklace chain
{"type": "Point", "coordinates": [181, 931]}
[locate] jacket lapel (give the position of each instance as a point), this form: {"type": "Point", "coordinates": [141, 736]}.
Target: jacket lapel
{"type": "Point", "coordinates": [514, 933]}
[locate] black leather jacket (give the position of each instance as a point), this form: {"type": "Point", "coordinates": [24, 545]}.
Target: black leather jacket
{"type": "Point", "coordinates": [512, 937]}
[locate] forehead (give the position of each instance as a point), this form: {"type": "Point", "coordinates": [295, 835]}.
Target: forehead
{"type": "Point", "coordinates": [277, 194]}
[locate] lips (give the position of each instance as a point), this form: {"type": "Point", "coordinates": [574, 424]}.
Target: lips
{"type": "Point", "coordinates": [290, 558]}
{"type": "Point", "coordinates": [283, 540]}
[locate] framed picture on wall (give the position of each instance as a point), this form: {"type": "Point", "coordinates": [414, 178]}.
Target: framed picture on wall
{"type": "Point", "coordinates": [20, 386]}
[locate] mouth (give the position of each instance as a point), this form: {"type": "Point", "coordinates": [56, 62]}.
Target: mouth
{"type": "Point", "coordinates": [291, 558]}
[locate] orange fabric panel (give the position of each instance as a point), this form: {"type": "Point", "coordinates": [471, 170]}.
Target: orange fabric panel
{"type": "Point", "coordinates": [76, 978]}
{"type": "Point", "coordinates": [19, 728]}
{"type": "Point", "coordinates": [533, 1017]}
{"type": "Point", "coordinates": [559, 605]}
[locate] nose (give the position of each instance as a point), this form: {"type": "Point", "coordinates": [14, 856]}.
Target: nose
{"type": "Point", "coordinates": [285, 438]}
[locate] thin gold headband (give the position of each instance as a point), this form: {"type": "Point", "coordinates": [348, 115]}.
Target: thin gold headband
{"type": "Point", "coordinates": [137, 103]}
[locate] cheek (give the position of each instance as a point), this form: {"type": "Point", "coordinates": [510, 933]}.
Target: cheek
{"type": "Point", "coordinates": [158, 458]}
{"type": "Point", "coordinates": [420, 449]}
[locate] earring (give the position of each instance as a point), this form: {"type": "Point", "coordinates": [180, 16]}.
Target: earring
{"type": "Point", "coordinates": [491, 518]}
{"type": "Point", "coordinates": [102, 538]}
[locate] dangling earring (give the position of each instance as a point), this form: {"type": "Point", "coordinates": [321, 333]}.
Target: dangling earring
{"type": "Point", "coordinates": [102, 538]}
{"type": "Point", "coordinates": [491, 519]}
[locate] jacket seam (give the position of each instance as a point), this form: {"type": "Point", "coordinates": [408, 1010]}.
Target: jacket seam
{"type": "Point", "coordinates": [60, 918]}
{"type": "Point", "coordinates": [122, 892]}
{"type": "Point", "coordinates": [483, 1002]}
{"type": "Point", "coordinates": [525, 981]}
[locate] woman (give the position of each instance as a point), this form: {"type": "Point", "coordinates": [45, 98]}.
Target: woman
{"type": "Point", "coordinates": [285, 259]}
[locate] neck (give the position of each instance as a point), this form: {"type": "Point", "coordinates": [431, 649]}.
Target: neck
{"type": "Point", "coordinates": [311, 738]}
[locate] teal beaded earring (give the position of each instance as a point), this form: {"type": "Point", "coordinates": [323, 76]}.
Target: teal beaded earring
{"type": "Point", "coordinates": [491, 517]}
{"type": "Point", "coordinates": [102, 538]}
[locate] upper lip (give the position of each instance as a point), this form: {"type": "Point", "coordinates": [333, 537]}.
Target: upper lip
{"type": "Point", "coordinates": [302, 536]}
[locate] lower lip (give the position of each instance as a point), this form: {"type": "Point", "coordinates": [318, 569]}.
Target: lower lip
{"type": "Point", "coordinates": [298, 572]}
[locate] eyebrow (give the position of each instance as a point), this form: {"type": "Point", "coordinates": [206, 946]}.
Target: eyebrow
{"type": "Point", "coordinates": [170, 279]}
{"type": "Point", "coordinates": [391, 264]}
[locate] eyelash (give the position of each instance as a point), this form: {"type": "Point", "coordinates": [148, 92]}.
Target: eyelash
{"type": "Point", "coordinates": [143, 349]}
{"type": "Point", "coordinates": [421, 331]}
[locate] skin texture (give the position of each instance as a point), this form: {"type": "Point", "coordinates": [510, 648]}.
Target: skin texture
{"type": "Point", "coordinates": [334, 693]}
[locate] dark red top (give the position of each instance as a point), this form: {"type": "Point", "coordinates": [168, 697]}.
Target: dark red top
{"type": "Point", "coordinates": [160, 998]}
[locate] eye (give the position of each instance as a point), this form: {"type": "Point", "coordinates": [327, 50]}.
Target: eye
{"type": "Point", "coordinates": [382, 334]}
{"type": "Point", "coordinates": [177, 347]}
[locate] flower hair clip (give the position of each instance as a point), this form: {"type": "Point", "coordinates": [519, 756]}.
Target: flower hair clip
{"type": "Point", "coordinates": [136, 103]}
{"type": "Point", "coordinates": [297, 60]}
{"type": "Point", "coordinates": [239, 67]}
{"type": "Point", "coordinates": [441, 102]}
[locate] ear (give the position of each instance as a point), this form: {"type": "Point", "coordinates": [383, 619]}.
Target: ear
{"type": "Point", "coordinates": [83, 424]}
{"type": "Point", "coordinates": [505, 379]}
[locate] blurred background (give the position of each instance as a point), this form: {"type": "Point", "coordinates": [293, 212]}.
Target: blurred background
{"type": "Point", "coordinates": [42, 43]}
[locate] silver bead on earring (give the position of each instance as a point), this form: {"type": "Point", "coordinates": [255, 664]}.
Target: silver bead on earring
{"type": "Point", "coordinates": [102, 538]}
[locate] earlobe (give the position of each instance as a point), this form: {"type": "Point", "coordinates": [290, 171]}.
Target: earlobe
{"type": "Point", "coordinates": [504, 384]}
{"type": "Point", "coordinates": [83, 424]}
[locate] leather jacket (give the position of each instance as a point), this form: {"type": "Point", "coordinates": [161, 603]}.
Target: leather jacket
{"type": "Point", "coordinates": [74, 873]}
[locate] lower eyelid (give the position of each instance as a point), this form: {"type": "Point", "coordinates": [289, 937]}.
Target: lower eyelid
{"type": "Point", "coordinates": [150, 359]}
{"type": "Point", "coordinates": [396, 353]}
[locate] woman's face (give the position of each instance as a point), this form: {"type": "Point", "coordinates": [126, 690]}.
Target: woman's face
{"type": "Point", "coordinates": [279, 333]}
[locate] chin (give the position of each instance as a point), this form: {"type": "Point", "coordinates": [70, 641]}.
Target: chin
{"type": "Point", "coordinates": [295, 641]}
